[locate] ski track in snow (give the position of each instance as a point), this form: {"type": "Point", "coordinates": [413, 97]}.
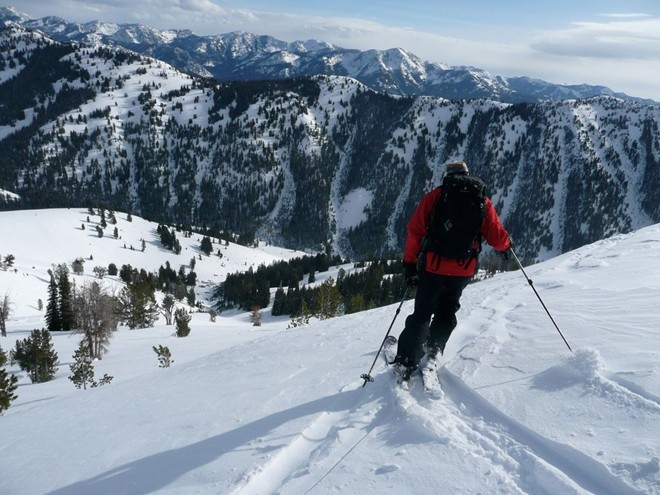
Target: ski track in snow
{"type": "Point", "coordinates": [523, 460]}
{"type": "Point", "coordinates": [544, 465]}
{"type": "Point", "coordinates": [320, 447]}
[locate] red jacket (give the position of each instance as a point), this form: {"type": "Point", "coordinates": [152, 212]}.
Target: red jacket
{"type": "Point", "coordinates": [491, 230]}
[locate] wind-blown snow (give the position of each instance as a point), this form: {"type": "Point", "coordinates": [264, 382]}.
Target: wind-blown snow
{"type": "Point", "coordinates": [247, 410]}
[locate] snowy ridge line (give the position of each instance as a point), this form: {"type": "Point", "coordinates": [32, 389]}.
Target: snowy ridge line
{"type": "Point", "coordinates": [582, 469]}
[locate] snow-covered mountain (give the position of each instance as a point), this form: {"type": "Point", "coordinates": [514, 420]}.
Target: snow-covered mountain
{"type": "Point", "coordinates": [310, 163]}
{"type": "Point", "coordinates": [268, 410]}
{"type": "Point", "coordinates": [241, 56]}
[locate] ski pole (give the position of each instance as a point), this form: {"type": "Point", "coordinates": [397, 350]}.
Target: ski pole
{"type": "Point", "coordinates": [367, 376]}
{"type": "Point", "coordinates": [531, 284]}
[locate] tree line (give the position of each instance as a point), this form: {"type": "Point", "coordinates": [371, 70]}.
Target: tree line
{"type": "Point", "coordinates": [374, 284]}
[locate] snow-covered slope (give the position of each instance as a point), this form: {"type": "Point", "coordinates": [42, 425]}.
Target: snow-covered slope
{"type": "Point", "coordinates": [270, 410]}
{"type": "Point", "coordinates": [41, 239]}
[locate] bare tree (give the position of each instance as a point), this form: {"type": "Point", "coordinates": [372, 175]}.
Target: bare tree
{"type": "Point", "coordinates": [167, 308]}
{"type": "Point", "coordinates": [255, 316]}
{"type": "Point", "coordinates": [5, 312]}
{"type": "Point", "coordinates": [100, 271]}
{"type": "Point", "coordinates": [96, 317]}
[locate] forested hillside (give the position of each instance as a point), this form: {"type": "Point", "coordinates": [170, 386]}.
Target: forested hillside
{"type": "Point", "coordinates": [317, 163]}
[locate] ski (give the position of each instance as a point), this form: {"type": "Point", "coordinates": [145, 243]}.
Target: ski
{"type": "Point", "coordinates": [389, 353]}
{"type": "Point", "coordinates": [428, 370]}
{"type": "Point", "coordinates": [430, 379]}
{"type": "Point", "coordinates": [389, 349]}
{"type": "Point", "coordinates": [406, 383]}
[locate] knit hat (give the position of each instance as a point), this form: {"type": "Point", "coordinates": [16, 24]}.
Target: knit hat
{"type": "Point", "coordinates": [457, 168]}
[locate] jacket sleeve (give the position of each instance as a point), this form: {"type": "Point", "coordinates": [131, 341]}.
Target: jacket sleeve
{"type": "Point", "coordinates": [492, 229]}
{"type": "Point", "coordinates": [417, 226]}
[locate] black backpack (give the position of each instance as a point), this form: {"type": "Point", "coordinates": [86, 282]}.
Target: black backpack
{"type": "Point", "coordinates": [455, 222]}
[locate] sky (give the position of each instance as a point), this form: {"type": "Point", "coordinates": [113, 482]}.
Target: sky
{"type": "Point", "coordinates": [604, 42]}
{"type": "Point", "coordinates": [246, 410]}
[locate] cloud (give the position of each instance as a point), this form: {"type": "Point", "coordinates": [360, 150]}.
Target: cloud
{"type": "Point", "coordinates": [630, 15]}
{"type": "Point", "coordinates": [164, 14]}
{"type": "Point", "coordinates": [629, 37]}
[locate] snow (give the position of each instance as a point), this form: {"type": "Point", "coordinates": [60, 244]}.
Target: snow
{"type": "Point", "coordinates": [352, 211]}
{"type": "Point", "coordinates": [261, 410]}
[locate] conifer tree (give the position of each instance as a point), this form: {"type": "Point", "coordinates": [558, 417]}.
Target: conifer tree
{"type": "Point", "coordinates": [8, 384]}
{"type": "Point", "coordinates": [279, 302]}
{"type": "Point", "coordinates": [164, 356]}
{"type": "Point", "coordinates": [82, 370]}
{"type": "Point", "coordinates": [329, 300]}
{"type": "Point", "coordinates": [36, 355]}
{"type": "Point", "coordinates": [65, 297]}
{"type": "Point", "coordinates": [139, 306]}
{"type": "Point", "coordinates": [182, 319]}
{"type": "Point", "coordinates": [207, 245]}
{"type": "Point", "coordinates": [53, 319]}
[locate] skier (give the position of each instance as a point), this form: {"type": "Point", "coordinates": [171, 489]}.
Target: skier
{"type": "Point", "coordinates": [438, 267]}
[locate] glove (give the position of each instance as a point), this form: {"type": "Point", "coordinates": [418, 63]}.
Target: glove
{"type": "Point", "coordinates": [505, 254]}
{"type": "Point", "coordinates": [410, 274]}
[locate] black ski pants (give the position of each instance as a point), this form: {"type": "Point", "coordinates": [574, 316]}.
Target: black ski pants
{"type": "Point", "coordinates": [438, 297]}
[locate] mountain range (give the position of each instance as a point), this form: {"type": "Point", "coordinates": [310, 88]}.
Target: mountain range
{"type": "Point", "coordinates": [318, 162]}
{"type": "Point", "coordinates": [240, 56]}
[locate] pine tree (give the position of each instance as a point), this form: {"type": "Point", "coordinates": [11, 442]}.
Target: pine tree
{"type": "Point", "coordinates": [65, 298]}
{"type": "Point", "coordinates": [139, 306]}
{"type": "Point", "coordinates": [329, 300]}
{"type": "Point", "coordinates": [53, 319]}
{"type": "Point", "coordinates": [164, 356]}
{"type": "Point", "coordinates": [303, 316]}
{"type": "Point", "coordinates": [8, 384]}
{"type": "Point", "coordinates": [207, 245]}
{"type": "Point", "coordinates": [78, 266]}
{"type": "Point", "coordinates": [279, 302]}
{"type": "Point", "coordinates": [182, 320]}
{"type": "Point", "coordinates": [82, 370]}
{"type": "Point", "coordinates": [36, 355]}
